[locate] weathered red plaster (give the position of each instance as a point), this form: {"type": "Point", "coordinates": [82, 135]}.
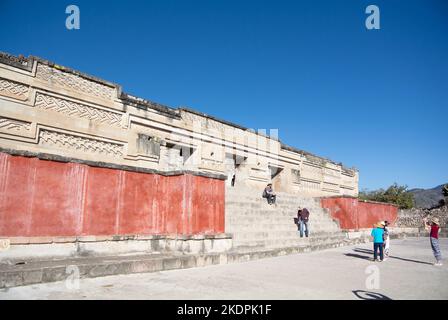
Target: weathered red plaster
{"type": "Point", "coordinates": [48, 198]}
{"type": "Point", "coordinates": [354, 214]}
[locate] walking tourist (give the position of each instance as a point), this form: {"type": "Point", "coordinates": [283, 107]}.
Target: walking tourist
{"type": "Point", "coordinates": [303, 216]}
{"type": "Point", "coordinates": [269, 194]}
{"type": "Point", "coordinates": [377, 234]}
{"type": "Point", "coordinates": [434, 226]}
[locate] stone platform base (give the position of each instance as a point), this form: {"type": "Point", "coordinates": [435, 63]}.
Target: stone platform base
{"type": "Point", "coordinates": [41, 271]}
{"type": "Point", "coordinates": [395, 233]}
{"type": "Point", "coordinates": [18, 249]}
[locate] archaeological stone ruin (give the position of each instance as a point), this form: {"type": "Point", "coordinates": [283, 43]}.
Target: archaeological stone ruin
{"type": "Point", "coordinates": [89, 170]}
{"type": "Point", "coordinates": [54, 110]}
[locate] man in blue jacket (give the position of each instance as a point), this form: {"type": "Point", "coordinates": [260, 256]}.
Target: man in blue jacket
{"type": "Point", "coordinates": [377, 234]}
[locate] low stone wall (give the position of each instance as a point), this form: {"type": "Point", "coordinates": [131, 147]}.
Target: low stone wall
{"type": "Point", "coordinates": [413, 218]}
{"type": "Point", "coordinates": [395, 233]}
{"type": "Point", "coordinates": [91, 246]}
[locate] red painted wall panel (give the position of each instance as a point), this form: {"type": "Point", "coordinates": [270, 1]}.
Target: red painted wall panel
{"type": "Point", "coordinates": [16, 175]}
{"type": "Point", "coordinates": [175, 205]}
{"type": "Point", "coordinates": [208, 208]}
{"type": "Point", "coordinates": [47, 198]}
{"type": "Point", "coordinates": [55, 198]}
{"type": "Point", "coordinates": [370, 213]}
{"type": "Point", "coordinates": [354, 214]}
{"type": "Point", "coordinates": [101, 205]}
{"type": "Point", "coordinates": [136, 200]}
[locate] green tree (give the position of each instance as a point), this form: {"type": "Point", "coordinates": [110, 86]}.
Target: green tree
{"type": "Point", "coordinates": [395, 194]}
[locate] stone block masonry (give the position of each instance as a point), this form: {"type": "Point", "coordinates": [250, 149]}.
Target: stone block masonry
{"type": "Point", "coordinates": [413, 218]}
{"type": "Point", "coordinates": [46, 108]}
{"type": "Point", "coordinates": [82, 162]}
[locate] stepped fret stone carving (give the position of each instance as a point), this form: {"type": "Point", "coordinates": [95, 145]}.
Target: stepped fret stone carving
{"type": "Point", "coordinates": [77, 143]}
{"type": "Point", "coordinates": [14, 125]}
{"type": "Point", "coordinates": [73, 81]}
{"type": "Point", "coordinates": [74, 109]}
{"type": "Point", "coordinates": [13, 89]}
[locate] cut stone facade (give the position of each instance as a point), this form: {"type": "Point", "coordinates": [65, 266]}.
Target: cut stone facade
{"type": "Point", "coordinates": [49, 109]}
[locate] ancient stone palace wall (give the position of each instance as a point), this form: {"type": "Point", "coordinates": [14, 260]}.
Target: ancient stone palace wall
{"type": "Point", "coordinates": [49, 110]}
{"type": "Point", "coordinates": [355, 214]}
{"type": "Point", "coordinates": [41, 198]}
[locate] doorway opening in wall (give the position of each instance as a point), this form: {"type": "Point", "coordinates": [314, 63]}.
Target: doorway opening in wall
{"type": "Point", "coordinates": [186, 153]}
{"type": "Point", "coordinates": [179, 155]}
{"type": "Point", "coordinates": [275, 171]}
{"type": "Point", "coordinates": [232, 164]}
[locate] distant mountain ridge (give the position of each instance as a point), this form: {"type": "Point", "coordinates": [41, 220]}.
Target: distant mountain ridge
{"type": "Point", "coordinates": [427, 198]}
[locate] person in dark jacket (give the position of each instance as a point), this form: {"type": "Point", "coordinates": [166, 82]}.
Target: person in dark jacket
{"type": "Point", "coordinates": [269, 194]}
{"type": "Point", "coordinates": [303, 216]}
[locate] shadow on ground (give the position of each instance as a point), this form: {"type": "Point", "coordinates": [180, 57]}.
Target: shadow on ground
{"type": "Point", "coordinates": [367, 295]}
{"type": "Point", "coordinates": [370, 252]}
{"type": "Point", "coordinates": [354, 255]}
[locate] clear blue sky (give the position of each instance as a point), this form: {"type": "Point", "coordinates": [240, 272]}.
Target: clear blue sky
{"type": "Point", "coordinates": [376, 100]}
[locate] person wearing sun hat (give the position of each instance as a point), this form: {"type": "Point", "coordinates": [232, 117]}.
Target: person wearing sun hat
{"type": "Point", "coordinates": [434, 224]}
{"type": "Point", "coordinates": [377, 234]}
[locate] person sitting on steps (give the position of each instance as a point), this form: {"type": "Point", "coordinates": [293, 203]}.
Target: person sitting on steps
{"type": "Point", "coordinates": [269, 194]}
{"type": "Point", "coordinates": [303, 216]}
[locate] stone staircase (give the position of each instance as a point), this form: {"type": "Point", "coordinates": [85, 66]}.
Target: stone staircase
{"type": "Point", "coordinates": [256, 225]}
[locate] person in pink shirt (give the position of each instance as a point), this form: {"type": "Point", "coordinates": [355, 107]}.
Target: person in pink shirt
{"type": "Point", "coordinates": [434, 228]}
